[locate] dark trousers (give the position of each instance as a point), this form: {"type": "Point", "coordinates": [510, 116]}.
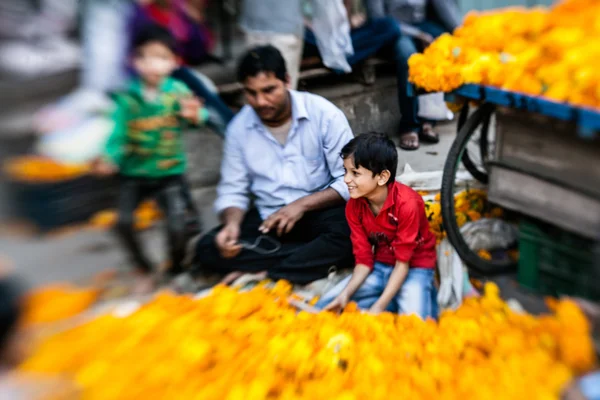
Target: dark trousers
{"type": "Point", "coordinates": [169, 193]}
{"type": "Point", "coordinates": [405, 47]}
{"type": "Point", "coordinates": [320, 240]}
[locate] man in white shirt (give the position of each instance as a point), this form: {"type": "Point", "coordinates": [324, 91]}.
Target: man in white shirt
{"type": "Point", "coordinates": [282, 152]}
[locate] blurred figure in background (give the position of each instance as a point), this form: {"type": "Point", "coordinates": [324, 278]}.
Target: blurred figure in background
{"type": "Point", "coordinates": [146, 146]}
{"type": "Point", "coordinates": [279, 23]}
{"type": "Point", "coordinates": [34, 38]}
{"type": "Point", "coordinates": [77, 125]}
{"type": "Point", "coordinates": [420, 21]}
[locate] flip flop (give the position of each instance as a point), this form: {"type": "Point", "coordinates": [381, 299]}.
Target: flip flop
{"type": "Point", "coordinates": [427, 135]}
{"type": "Point", "coordinates": [409, 141]}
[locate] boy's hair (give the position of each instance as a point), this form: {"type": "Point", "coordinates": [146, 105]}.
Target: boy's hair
{"type": "Point", "coordinates": [153, 33]}
{"type": "Point", "coordinates": [373, 151]}
{"type": "Point", "coordinates": [265, 59]}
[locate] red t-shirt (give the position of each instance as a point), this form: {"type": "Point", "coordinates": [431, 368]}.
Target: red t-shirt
{"type": "Point", "coordinates": [400, 232]}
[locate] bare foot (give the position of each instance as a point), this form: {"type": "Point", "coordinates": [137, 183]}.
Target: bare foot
{"type": "Point", "coordinates": [231, 277]}
{"type": "Point", "coordinates": [252, 277]}
{"type": "Point", "coordinates": [143, 284]}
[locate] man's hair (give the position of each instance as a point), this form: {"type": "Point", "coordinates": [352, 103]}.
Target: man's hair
{"type": "Point", "coordinates": [373, 151]}
{"type": "Point", "coordinates": [266, 59]}
{"type": "Point", "coordinates": [152, 33]}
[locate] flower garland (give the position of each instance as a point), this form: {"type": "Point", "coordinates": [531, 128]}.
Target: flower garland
{"type": "Point", "coordinates": [537, 51]}
{"type": "Point", "coordinates": [254, 345]}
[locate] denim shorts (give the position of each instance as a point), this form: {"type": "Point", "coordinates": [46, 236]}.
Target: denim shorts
{"type": "Point", "coordinates": [417, 295]}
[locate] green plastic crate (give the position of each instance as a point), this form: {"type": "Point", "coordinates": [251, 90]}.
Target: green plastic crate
{"type": "Point", "coordinates": [555, 262]}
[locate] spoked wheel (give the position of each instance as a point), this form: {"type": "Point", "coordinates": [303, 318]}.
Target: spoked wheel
{"type": "Point", "coordinates": [470, 125]}
{"type": "Point", "coordinates": [477, 150]}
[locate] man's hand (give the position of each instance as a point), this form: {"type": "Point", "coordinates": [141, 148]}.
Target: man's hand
{"type": "Point", "coordinates": [103, 168]}
{"type": "Point", "coordinates": [284, 219]}
{"type": "Point", "coordinates": [227, 241]}
{"type": "Point", "coordinates": [190, 108]}
{"type": "Point", "coordinates": [338, 304]}
{"type": "Point", "coordinates": [426, 38]}
{"type": "Point", "coordinates": [376, 309]}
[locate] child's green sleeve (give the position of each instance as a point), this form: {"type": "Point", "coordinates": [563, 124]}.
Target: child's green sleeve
{"type": "Point", "coordinates": [182, 90]}
{"type": "Point", "coordinates": [114, 148]}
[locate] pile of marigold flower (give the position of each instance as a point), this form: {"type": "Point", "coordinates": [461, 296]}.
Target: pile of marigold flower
{"type": "Point", "coordinates": [470, 205]}
{"type": "Point", "coordinates": [538, 51]}
{"type": "Point", "coordinates": [254, 345]}
{"type": "Point", "coordinates": [36, 169]}
{"type": "Point", "coordinates": [145, 215]}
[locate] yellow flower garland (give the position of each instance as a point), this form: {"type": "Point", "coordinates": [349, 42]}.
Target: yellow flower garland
{"type": "Point", "coordinates": [253, 345]}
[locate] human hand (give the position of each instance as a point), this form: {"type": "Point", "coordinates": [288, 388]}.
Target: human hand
{"type": "Point", "coordinates": [227, 241]}
{"type": "Point", "coordinates": [190, 108]}
{"type": "Point", "coordinates": [426, 38]}
{"type": "Point", "coordinates": [284, 219]}
{"type": "Point", "coordinates": [376, 309]}
{"type": "Point", "coordinates": [338, 304]}
{"type": "Point", "coordinates": [102, 168]}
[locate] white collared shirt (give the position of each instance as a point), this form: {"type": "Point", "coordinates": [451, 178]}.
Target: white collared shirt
{"type": "Point", "coordinates": [256, 166]}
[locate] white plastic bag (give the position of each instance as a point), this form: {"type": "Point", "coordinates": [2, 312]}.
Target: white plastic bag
{"type": "Point", "coordinates": [332, 29]}
{"type": "Point", "coordinates": [433, 107]}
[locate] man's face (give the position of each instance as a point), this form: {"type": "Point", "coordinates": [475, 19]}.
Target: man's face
{"type": "Point", "coordinates": [267, 95]}
{"type": "Point", "coordinates": [154, 62]}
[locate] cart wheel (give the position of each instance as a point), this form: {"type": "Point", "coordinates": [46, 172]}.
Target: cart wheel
{"type": "Point", "coordinates": [470, 165]}
{"type": "Point", "coordinates": [447, 196]}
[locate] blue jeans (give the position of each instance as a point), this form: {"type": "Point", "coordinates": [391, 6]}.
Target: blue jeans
{"type": "Point", "coordinates": [366, 40]}
{"type": "Point", "coordinates": [405, 47]}
{"type": "Point", "coordinates": [417, 295]}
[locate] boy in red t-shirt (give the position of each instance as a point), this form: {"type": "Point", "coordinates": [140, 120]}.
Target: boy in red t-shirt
{"type": "Point", "coordinates": [393, 247]}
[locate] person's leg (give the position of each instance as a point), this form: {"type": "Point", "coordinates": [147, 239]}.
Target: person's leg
{"type": "Point", "coordinates": [211, 99]}
{"type": "Point", "coordinates": [325, 238]}
{"type": "Point", "coordinates": [208, 258]}
{"type": "Point", "coordinates": [366, 295]}
{"type": "Point", "coordinates": [417, 294]}
{"type": "Point", "coordinates": [130, 195]}
{"type": "Point", "coordinates": [409, 120]}
{"type": "Point", "coordinates": [368, 39]}
{"type": "Point", "coordinates": [171, 200]}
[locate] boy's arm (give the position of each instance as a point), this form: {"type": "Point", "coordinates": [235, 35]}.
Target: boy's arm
{"type": "Point", "coordinates": [391, 288]}
{"type": "Point", "coordinates": [363, 255]}
{"type": "Point", "coordinates": [114, 149]}
{"type": "Point", "coordinates": [192, 108]}
{"type": "Point", "coordinates": [404, 245]}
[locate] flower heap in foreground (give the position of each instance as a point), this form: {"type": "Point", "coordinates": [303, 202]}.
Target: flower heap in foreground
{"type": "Point", "coordinates": [538, 51]}
{"type": "Point", "coordinates": [253, 345]}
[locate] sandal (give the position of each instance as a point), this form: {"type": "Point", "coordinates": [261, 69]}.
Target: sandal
{"type": "Point", "coordinates": [427, 134]}
{"type": "Point", "coordinates": [409, 141]}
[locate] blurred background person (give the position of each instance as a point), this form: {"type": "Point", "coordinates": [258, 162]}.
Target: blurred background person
{"type": "Point", "coordinates": [75, 127]}
{"type": "Point", "coordinates": [420, 22]}
{"type": "Point", "coordinates": [279, 23]}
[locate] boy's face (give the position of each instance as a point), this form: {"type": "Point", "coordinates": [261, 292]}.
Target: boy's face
{"type": "Point", "coordinates": [267, 95]}
{"type": "Point", "coordinates": [154, 62]}
{"type": "Point", "coordinates": [361, 181]}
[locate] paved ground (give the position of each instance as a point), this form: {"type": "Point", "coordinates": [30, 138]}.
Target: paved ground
{"type": "Point", "coordinates": [81, 253]}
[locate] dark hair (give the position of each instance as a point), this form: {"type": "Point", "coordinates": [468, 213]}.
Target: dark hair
{"type": "Point", "coordinates": [373, 151]}
{"type": "Point", "coordinates": [262, 59]}
{"type": "Point", "coordinates": [153, 33]}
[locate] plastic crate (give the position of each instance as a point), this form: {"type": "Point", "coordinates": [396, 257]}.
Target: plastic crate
{"type": "Point", "coordinates": [56, 204]}
{"type": "Point", "coordinates": [555, 262]}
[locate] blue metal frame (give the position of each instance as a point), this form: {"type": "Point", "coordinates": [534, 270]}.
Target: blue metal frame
{"type": "Point", "coordinates": [587, 120]}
